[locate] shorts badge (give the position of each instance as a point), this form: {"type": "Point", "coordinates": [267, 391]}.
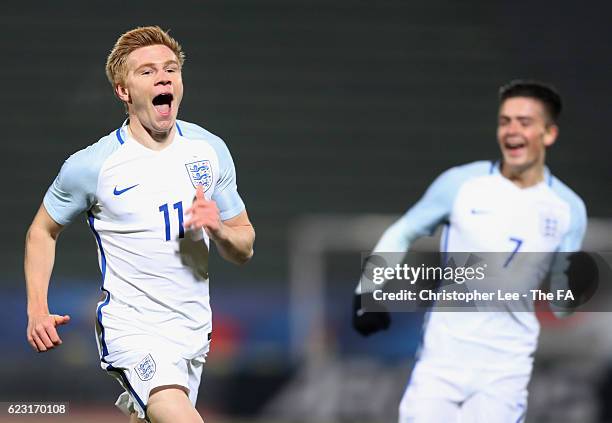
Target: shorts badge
{"type": "Point", "coordinates": [146, 368]}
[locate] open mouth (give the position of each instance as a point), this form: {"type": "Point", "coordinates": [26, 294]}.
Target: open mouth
{"type": "Point", "coordinates": [163, 103]}
{"type": "Point", "coordinates": [514, 145]}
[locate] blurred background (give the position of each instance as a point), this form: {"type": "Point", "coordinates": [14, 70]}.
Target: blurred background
{"type": "Point", "coordinates": [338, 116]}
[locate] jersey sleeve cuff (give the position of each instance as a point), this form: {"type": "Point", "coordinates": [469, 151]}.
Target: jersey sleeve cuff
{"type": "Point", "coordinates": [233, 212]}
{"type": "Point", "coordinates": [54, 213]}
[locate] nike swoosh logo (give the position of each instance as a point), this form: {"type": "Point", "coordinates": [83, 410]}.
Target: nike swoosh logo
{"type": "Point", "coordinates": [121, 191]}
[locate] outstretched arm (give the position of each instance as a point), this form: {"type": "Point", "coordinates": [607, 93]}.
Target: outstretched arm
{"type": "Point", "coordinates": [422, 219]}
{"type": "Point", "coordinates": [39, 258]}
{"type": "Point", "coordinates": [233, 237]}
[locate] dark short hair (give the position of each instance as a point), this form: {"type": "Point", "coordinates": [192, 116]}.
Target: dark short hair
{"type": "Point", "coordinates": [547, 94]}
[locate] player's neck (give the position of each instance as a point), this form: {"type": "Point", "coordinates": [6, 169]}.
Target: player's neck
{"type": "Point", "coordinates": [523, 177]}
{"type": "Point", "coordinates": [153, 140]}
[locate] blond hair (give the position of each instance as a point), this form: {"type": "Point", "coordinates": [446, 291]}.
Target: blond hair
{"type": "Point", "coordinates": [144, 36]}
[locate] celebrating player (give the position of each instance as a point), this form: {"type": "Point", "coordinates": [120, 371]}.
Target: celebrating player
{"type": "Point", "coordinates": [155, 191]}
{"type": "Point", "coordinates": [475, 366]}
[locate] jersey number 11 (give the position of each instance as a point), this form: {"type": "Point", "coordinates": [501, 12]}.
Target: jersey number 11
{"type": "Point", "coordinates": [179, 208]}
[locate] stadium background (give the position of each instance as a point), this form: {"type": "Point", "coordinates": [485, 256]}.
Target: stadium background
{"type": "Point", "coordinates": [329, 108]}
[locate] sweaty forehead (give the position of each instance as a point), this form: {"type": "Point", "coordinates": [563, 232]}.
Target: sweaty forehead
{"type": "Point", "coordinates": [150, 54]}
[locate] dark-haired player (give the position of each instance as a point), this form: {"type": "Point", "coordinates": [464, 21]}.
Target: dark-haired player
{"type": "Point", "coordinates": [475, 366]}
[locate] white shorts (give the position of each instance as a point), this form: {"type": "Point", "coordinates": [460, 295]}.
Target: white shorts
{"type": "Point", "coordinates": [459, 395]}
{"type": "Point", "coordinates": [140, 369]}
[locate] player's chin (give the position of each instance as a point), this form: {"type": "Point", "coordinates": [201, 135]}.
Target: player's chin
{"type": "Point", "coordinates": [514, 160]}
{"type": "Point", "coordinates": [163, 123]}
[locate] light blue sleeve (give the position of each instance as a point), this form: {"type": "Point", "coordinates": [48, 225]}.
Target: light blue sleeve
{"type": "Point", "coordinates": [432, 209]}
{"type": "Point", "coordinates": [578, 225]}
{"type": "Point", "coordinates": [422, 219]}
{"type": "Point", "coordinates": [226, 190]}
{"type": "Point", "coordinates": [73, 190]}
{"type": "Point", "coordinates": [571, 242]}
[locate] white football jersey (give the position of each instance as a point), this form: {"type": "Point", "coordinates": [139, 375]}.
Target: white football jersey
{"type": "Point", "coordinates": [155, 273]}
{"type": "Point", "coordinates": [485, 212]}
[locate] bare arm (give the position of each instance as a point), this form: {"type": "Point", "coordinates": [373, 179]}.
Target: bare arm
{"type": "Point", "coordinates": [38, 264]}
{"type": "Point", "coordinates": [233, 237]}
{"type": "Point", "coordinates": [235, 241]}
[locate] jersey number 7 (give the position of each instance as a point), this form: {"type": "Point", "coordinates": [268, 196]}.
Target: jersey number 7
{"type": "Point", "coordinates": [518, 242]}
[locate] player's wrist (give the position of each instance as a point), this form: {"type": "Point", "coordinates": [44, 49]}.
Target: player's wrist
{"type": "Point", "coordinates": [37, 308]}
{"type": "Point", "coordinates": [38, 313]}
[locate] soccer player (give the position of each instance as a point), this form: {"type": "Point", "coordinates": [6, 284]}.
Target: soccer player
{"type": "Point", "coordinates": [475, 366]}
{"type": "Point", "coordinates": [156, 191]}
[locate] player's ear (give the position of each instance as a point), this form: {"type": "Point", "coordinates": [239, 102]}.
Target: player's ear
{"type": "Point", "coordinates": [551, 134]}
{"type": "Point", "coordinates": [122, 93]}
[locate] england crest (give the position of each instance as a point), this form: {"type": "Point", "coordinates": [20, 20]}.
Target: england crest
{"type": "Point", "coordinates": [200, 173]}
{"type": "Point", "coordinates": [549, 226]}
{"type": "Point", "coordinates": [146, 368]}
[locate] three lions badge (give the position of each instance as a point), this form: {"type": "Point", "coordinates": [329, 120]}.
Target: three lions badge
{"type": "Point", "coordinates": [146, 368]}
{"type": "Point", "coordinates": [200, 173]}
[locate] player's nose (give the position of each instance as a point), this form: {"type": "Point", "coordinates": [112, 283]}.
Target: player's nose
{"type": "Point", "coordinates": [513, 127]}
